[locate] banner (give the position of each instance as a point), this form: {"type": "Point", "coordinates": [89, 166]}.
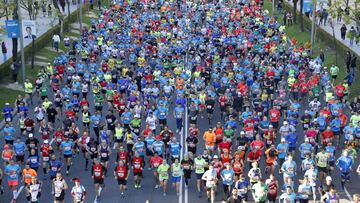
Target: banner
{"type": "Point", "coordinates": [308, 6]}
{"type": "Point", "coordinates": [12, 28]}
{"type": "Point", "coordinates": [28, 29]}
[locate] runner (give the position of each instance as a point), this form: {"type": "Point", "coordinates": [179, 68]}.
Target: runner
{"type": "Point", "coordinates": [121, 174]}
{"type": "Point", "coordinates": [210, 179]}
{"type": "Point", "coordinates": [34, 190]}
{"type": "Point", "coordinates": [98, 175]}
{"type": "Point", "coordinates": [163, 171]}
{"type": "Point", "coordinates": [59, 187]}
{"type": "Point", "coordinates": [78, 192]}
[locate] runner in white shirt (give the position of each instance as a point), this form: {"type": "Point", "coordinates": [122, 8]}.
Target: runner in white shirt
{"type": "Point", "coordinates": [210, 183]}
{"type": "Point", "coordinates": [78, 192]}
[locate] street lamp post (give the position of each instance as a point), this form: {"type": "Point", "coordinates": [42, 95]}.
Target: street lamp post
{"type": "Point", "coordinates": [21, 43]}
{"type": "Point", "coordinates": [313, 27]}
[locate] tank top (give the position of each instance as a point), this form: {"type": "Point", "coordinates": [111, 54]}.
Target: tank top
{"type": "Point", "coordinates": [86, 117]}
{"type": "Point", "coordinates": [7, 155]}
{"type": "Point", "coordinates": [59, 187]}
{"type": "Point", "coordinates": [176, 170]}
{"type": "Point", "coordinates": [331, 199]}
{"type": "Point", "coordinates": [104, 152]}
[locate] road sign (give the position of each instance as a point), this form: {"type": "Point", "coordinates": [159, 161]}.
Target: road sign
{"type": "Point", "coordinates": [12, 28]}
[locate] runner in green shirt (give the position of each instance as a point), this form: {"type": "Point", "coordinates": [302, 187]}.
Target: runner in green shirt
{"type": "Point", "coordinates": [260, 191]}
{"type": "Point", "coordinates": [176, 173]}
{"type": "Point", "coordinates": [334, 71]}
{"type": "Point", "coordinates": [322, 162]}
{"type": "Point", "coordinates": [163, 171]}
{"type": "Point", "coordinates": [199, 164]}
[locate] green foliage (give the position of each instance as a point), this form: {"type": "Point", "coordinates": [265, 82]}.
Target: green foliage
{"type": "Point", "coordinates": [6, 7]}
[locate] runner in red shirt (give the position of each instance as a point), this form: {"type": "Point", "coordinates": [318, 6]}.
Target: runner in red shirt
{"type": "Point", "coordinates": [137, 166]}
{"type": "Point", "coordinates": [253, 156]}
{"type": "Point", "coordinates": [327, 136]}
{"type": "Point", "coordinates": [238, 166]}
{"type": "Point", "coordinates": [257, 144]}
{"type": "Point", "coordinates": [155, 162]}
{"type": "Point", "coordinates": [340, 90]}
{"type": "Point", "coordinates": [219, 133]}
{"type": "Point", "coordinates": [225, 145]}
{"type": "Point", "coordinates": [121, 174]}
{"type": "Point", "coordinates": [46, 151]}
{"type": "Point", "coordinates": [98, 175]}
{"type": "Point", "coordinates": [274, 117]}
{"type": "Point", "coordinates": [123, 156]}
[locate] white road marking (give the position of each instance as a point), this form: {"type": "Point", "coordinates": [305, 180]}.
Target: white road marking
{"type": "Point", "coordinates": [181, 157]}
{"type": "Point", "coordinates": [347, 194]}
{"type": "Point", "coordinates": [18, 193]}
{"type": "Point", "coordinates": [186, 149]}
{"type": "Point", "coordinates": [100, 189]}
{"type": "Point", "coordinates": [52, 140]}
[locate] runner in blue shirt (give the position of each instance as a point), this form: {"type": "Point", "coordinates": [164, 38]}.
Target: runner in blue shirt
{"type": "Point", "coordinates": [178, 114]}
{"type": "Point", "coordinates": [12, 171]}
{"type": "Point", "coordinates": [139, 147]}
{"type": "Point", "coordinates": [289, 168]}
{"type": "Point", "coordinates": [33, 160]}
{"type": "Point", "coordinates": [282, 148]}
{"type": "Point", "coordinates": [289, 196]}
{"type": "Point", "coordinates": [9, 133]}
{"type": "Point", "coordinates": [344, 163]}
{"type": "Point", "coordinates": [7, 111]}
{"type": "Point", "coordinates": [19, 149]}
{"type": "Point", "coordinates": [66, 147]}
{"type": "Point", "coordinates": [174, 149]}
{"type": "Point", "coordinates": [54, 166]}
{"type": "Point", "coordinates": [242, 186]}
{"type": "Point", "coordinates": [227, 176]}
{"type": "Point", "coordinates": [330, 149]}
{"type": "Point", "coordinates": [305, 148]}
{"type": "Point", "coordinates": [158, 146]}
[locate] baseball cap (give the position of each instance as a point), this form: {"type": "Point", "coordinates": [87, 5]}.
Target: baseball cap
{"type": "Point", "coordinates": [31, 135]}
{"type": "Point", "coordinates": [216, 156]}
{"type": "Point", "coordinates": [328, 178]}
{"type": "Point", "coordinates": [283, 140]}
{"type": "Point", "coordinates": [46, 141]}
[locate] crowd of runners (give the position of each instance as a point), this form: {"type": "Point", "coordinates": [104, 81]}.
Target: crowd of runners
{"type": "Point", "coordinates": [264, 101]}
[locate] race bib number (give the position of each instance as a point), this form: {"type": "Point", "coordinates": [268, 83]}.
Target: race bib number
{"type": "Point", "coordinates": [45, 158]}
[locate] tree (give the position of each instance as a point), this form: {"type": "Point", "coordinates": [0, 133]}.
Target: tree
{"type": "Point", "coordinates": [6, 6]}
{"type": "Point", "coordinates": [294, 10]}
{"type": "Point", "coordinates": [302, 15]}
{"type": "Point", "coordinates": [354, 14]}
{"type": "Point", "coordinates": [29, 7]}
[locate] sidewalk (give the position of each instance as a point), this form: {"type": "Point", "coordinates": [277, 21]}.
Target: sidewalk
{"type": "Point", "coordinates": [355, 48]}
{"type": "Point", "coordinates": [43, 24]}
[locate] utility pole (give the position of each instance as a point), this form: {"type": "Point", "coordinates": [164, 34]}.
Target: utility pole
{"type": "Point", "coordinates": [313, 27]}
{"type": "Point", "coordinates": [273, 8]}
{"type": "Point", "coordinates": [21, 43]}
{"type": "Point", "coordinates": [80, 18]}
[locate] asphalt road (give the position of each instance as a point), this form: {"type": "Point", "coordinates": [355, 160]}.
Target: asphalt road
{"type": "Point", "coordinates": [111, 193]}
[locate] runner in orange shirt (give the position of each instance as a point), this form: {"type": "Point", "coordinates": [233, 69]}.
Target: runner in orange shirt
{"type": "Point", "coordinates": [210, 139]}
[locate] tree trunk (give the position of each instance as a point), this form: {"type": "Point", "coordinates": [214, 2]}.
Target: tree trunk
{"type": "Point", "coordinates": [294, 10]}
{"type": "Point", "coordinates": [301, 16]}
{"type": "Point", "coordinates": [68, 6]}
{"type": "Point", "coordinates": [334, 39]}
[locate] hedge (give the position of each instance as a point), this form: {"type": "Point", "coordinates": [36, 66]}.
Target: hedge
{"type": "Point", "coordinates": [40, 42]}
{"type": "Point", "coordinates": [321, 34]}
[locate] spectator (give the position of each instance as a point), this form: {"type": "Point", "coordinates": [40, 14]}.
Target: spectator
{"type": "Point", "coordinates": [348, 60]}
{"type": "Point", "coordinates": [4, 50]}
{"type": "Point", "coordinates": [340, 12]}
{"type": "Point", "coordinates": [289, 19]}
{"type": "Point", "coordinates": [284, 17]}
{"type": "Point", "coordinates": [343, 30]}
{"type": "Point", "coordinates": [325, 16]}
{"type": "Point", "coordinates": [351, 35]}
{"type": "Point", "coordinates": [15, 70]}
{"type": "Point", "coordinates": [56, 40]}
